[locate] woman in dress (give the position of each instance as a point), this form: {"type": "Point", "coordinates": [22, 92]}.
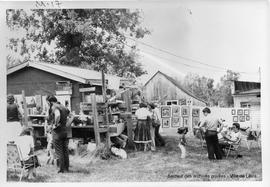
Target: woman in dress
{"type": "Point", "coordinates": [142, 134]}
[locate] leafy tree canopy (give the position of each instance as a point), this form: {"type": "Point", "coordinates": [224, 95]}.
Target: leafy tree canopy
{"type": "Point", "coordinates": [91, 38]}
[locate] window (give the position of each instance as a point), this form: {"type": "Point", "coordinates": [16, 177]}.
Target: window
{"type": "Point", "coordinates": [172, 102]}
{"type": "Point", "coordinates": [245, 105]}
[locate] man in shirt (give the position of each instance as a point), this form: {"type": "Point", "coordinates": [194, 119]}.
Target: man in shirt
{"type": "Point", "coordinates": [212, 127]}
{"type": "Point", "coordinates": [58, 115]}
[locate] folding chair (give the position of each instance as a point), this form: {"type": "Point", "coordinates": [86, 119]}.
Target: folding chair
{"type": "Point", "coordinates": [233, 147]}
{"type": "Point", "coordinates": [15, 161]}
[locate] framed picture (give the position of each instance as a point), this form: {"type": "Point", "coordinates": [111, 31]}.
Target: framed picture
{"type": "Point", "coordinates": [233, 111]}
{"type": "Point", "coordinates": [247, 118]}
{"type": "Point", "coordinates": [165, 111]}
{"type": "Point", "coordinates": [239, 112]}
{"type": "Point", "coordinates": [246, 112]}
{"type": "Point", "coordinates": [196, 112]}
{"type": "Point", "coordinates": [184, 111]}
{"type": "Point", "coordinates": [185, 122]}
{"type": "Point", "coordinates": [242, 118]}
{"type": "Point", "coordinates": [175, 111]}
{"type": "Point", "coordinates": [176, 122]}
{"type": "Point", "coordinates": [235, 118]}
{"type": "Point", "coordinates": [165, 122]}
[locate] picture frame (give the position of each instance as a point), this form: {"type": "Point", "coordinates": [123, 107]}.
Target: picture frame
{"type": "Point", "coordinates": [185, 122]}
{"type": "Point", "coordinates": [233, 112]}
{"type": "Point", "coordinates": [176, 111]}
{"type": "Point", "coordinates": [196, 112]}
{"type": "Point", "coordinates": [246, 112]}
{"type": "Point", "coordinates": [175, 122]}
{"type": "Point", "coordinates": [235, 118]}
{"type": "Point", "coordinates": [165, 112]}
{"type": "Point", "coordinates": [240, 112]}
{"type": "Point", "coordinates": [241, 118]}
{"type": "Point", "coordinates": [247, 118]}
{"type": "Point", "coordinates": [184, 111]}
{"type": "Point", "coordinates": [166, 122]}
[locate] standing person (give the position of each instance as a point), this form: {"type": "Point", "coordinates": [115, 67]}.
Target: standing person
{"type": "Point", "coordinates": [142, 130]}
{"type": "Point", "coordinates": [14, 118]}
{"type": "Point", "coordinates": [58, 115]}
{"type": "Point", "coordinates": [152, 126]}
{"type": "Point", "coordinates": [211, 126]}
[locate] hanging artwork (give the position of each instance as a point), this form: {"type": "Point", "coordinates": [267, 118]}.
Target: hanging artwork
{"type": "Point", "coordinates": [235, 118]}
{"type": "Point", "coordinates": [233, 111]}
{"type": "Point", "coordinates": [185, 121]}
{"type": "Point", "coordinates": [246, 112]}
{"type": "Point", "coordinates": [195, 112]}
{"type": "Point", "coordinates": [239, 112]}
{"type": "Point", "coordinates": [247, 118]}
{"type": "Point", "coordinates": [176, 122]}
{"type": "Point", "coordinates": [165, 111]}
{"type": "Point", "coordinates": [175, 111]}
{"type": "Point", "coordinates": [165, 122]}
{"type": "Point", "coordinates": [184, 111]}
{"type": "Point", "coordinates": [242, 118]}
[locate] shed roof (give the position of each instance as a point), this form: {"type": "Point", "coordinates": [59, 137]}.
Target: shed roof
{"type": "Point", "coordinates": [69, 72]}
{"type": "Point", "coordinates": [178, 85]}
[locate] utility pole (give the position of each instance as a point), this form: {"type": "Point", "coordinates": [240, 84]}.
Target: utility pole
{"type": "Point", "coordinates": [260, 74]}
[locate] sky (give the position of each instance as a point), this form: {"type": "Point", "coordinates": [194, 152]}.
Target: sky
{"type": "Point", "coordinates": [224, 35]}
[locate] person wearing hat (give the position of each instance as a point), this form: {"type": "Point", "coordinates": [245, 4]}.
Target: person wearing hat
{"type": "Point", "coordinates": [58, 115]}
{"type": "Point", "coordinates": [25, 142]}
{"type": "Point", "coordinates": [142, 131]}
{"type": "Point", "coordinates": [212, 126]}
{"type": "Point", "coordinates": [14, 118]}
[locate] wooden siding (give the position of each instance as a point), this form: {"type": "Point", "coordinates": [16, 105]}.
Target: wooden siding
{"type": "Point", "coordinates": [159, 86]}
{"type": "Point", "coordinates": [37, 82]}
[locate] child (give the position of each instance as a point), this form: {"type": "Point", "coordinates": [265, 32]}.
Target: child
{"type": "Point", "coordinates": [182, 144]}
{"type": "Point", "coordinates": [50, 150]}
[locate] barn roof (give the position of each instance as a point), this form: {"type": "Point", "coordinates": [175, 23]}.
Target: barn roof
{"type": "Point", "coordinates": [179, 86]}
{"type": "Point", "coordinates": [69, 72]}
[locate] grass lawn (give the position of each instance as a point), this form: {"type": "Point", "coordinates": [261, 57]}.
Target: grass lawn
{"type": "Point", "coordinates": [164, 165]}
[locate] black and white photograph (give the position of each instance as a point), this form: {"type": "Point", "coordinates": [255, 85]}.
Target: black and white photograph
{"type": "Point", "coordinates": [166, 111]}
{"type": "Point", "coordinates": [184, 111]}
{"type": "Point", "coordinates": [175, 122]}
{"type": "Point", "coordinates": [166, 122]}
{"type": "Point", "coordinates": [98, 91]}
{"type": "Point", "coordinates": [176, 111]}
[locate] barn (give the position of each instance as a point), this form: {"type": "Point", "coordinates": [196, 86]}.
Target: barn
{"type": "Point", "coordinates": [69, 84]}
{"type": "Point", "coordinates": [163, 88]}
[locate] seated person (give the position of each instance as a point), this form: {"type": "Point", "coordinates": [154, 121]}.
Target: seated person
{"type": "Point", "coordinates": [26, 144]}
{"type": "Point", "coordinates": [231, 136]}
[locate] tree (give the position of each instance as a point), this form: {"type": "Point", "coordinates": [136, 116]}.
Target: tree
{"type": "Point", "coordinates": [91, 38]}
{"type": "Point", "coordinates": [223, 93]}
{"type": "Point", "coordinates": [201, 87]}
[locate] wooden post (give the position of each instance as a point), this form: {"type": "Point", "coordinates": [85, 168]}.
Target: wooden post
{"type": "Point", "coordinates": [129, 118]}
{"type": "Point", "coordinates": [95, 117]}
{"type": "Point", "coordinates": [106, 122]}
{"type": "Point", "coordinates": [25, 116]}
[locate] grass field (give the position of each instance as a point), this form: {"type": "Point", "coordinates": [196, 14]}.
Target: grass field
{"type": "Point", "coordinates": [163, 165]}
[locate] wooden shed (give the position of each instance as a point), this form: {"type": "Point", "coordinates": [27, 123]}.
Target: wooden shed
{"type": "Point", "coordinates": [161, 87]}
{"type": "Point", "coordinates": [66, 82]}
